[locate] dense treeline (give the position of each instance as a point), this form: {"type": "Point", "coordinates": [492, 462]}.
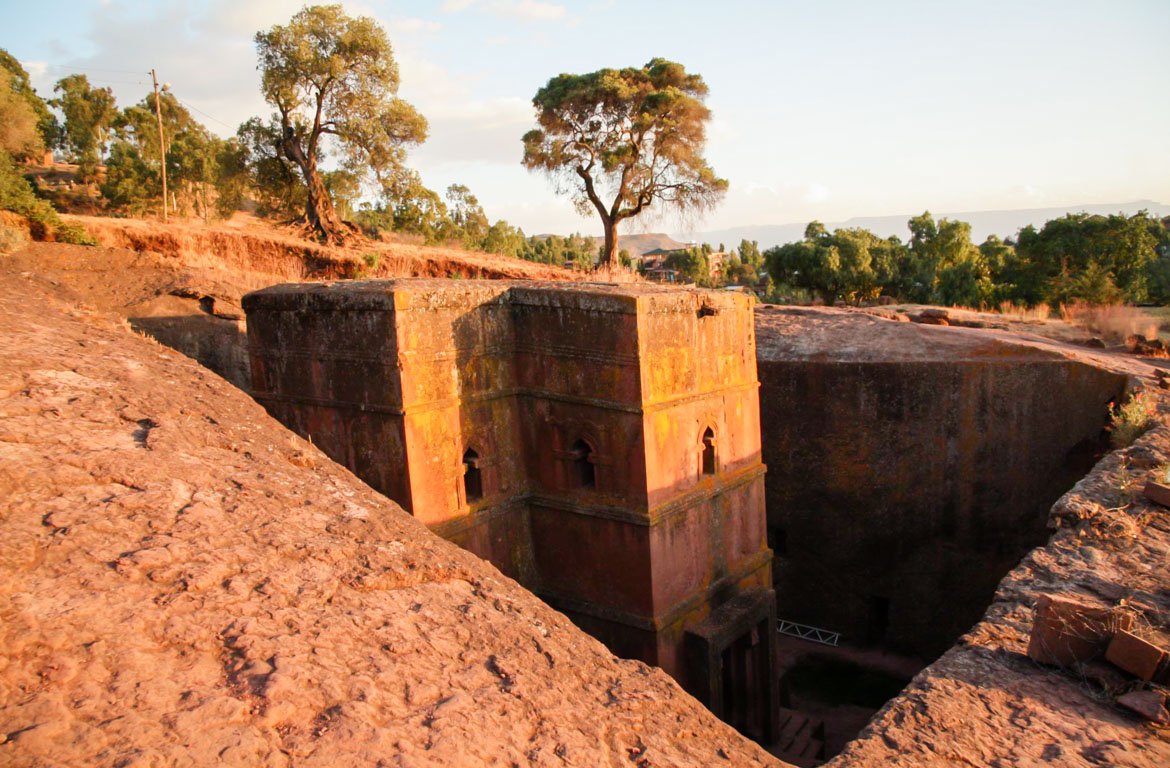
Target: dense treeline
{"type": "Point", "coordinates": [1080, 257]}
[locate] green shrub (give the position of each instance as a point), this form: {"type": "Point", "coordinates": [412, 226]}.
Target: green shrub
{"type": "Point", "coordinates": [17, 195]}
{"type": "Point", "coordinates": [1132, 419]}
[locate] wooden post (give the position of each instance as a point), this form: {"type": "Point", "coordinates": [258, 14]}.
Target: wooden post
{"type": "Point", "coordinates": [162, 151]}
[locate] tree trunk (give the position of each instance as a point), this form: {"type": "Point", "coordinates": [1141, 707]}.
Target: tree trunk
{"type": "Point", "coordinates": [319, 212]}
{"type": "Point", "coordinates": [609, 255]}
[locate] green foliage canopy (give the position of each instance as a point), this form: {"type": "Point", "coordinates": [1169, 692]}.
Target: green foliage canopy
{"type": "Point", "coordinates": [89, 114]}
{"type": "Point", "coordinates": [635, 135]}
{"type": "Point", "coordinates": [330, 75]}
{"type": "Point", "coordinates": [46, 123]}
{"type": "Point", "coordinates": [1058, 257]}
{"type": "Point", "coordinates": [19, 136]}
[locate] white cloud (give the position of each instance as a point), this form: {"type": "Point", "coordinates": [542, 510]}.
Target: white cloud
{"type": "Point", "coordinates": [528, 10]}
{"type": "Point", "coordinates": [456, 6]}
{"type": "Point", "coordinates": [522, 10]}
{"type": "Point", "coordinates": [248, 18]}
{"type": "Point", "coordinates": [476, 132]}
{"type": "Point", "coordinates": [35, 69]}
{"type": "Point", "coordinates": [413, 26]}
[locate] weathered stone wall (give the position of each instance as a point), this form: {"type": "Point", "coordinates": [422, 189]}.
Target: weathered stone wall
{"type": "Point", "coordinates": [900, 491]}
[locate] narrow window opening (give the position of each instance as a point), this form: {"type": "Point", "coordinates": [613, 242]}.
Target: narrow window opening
{"type": "Point", "coordinates": [584, 473]}
{"type": "Point", "coordinates": [709, 452]}
{"type": "Point", "coordinates": [472, 477]}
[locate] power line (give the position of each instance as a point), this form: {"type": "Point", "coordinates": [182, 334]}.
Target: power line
{"type": "Point", "coordinates": [104, 82]}
{"type": "Point", "coordinates": [200, 111]}
{"type": "Point", "coordinates": [76, 68]}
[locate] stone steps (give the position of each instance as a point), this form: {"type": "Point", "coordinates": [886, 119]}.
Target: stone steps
{"type": "Point", "coordinates": [801, 741]}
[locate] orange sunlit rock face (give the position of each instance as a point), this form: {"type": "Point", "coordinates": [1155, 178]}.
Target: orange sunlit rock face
{"type": "Point", "coordinates": [599, 443]}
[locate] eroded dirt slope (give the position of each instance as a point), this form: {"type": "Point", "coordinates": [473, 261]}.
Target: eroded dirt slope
{"type": "Point", "coordinates": [183, 582]}
{"type": "Point", "coordinates": [255, 246]}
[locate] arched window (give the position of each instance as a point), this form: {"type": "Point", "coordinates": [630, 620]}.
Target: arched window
{"type": "Point", "coordinates": [472, 477]}
{"type": "Point", "coordinates": [709, 452]}
{"type": "Point", "coordinates": [584, 475]}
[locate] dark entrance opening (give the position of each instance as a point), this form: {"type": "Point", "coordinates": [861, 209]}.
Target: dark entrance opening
{"type": "Point", "coordinates": [472, 476]}
{"type": "Point", "coordinates": [584, 473]}
{"type": "Point", "coordinates": [731, 664]}
{"type": "Point", "coordinates": [709, 452]}
{"type": "Point", "coordinates": [745, 705]}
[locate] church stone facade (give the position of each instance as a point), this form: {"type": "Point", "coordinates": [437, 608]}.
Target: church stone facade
{"type": "Point", "coordinates": [598, 443]}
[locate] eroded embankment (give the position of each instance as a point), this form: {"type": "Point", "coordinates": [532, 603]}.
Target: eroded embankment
{"type": "Point", "coordinates": [182, 581]}
{"type": "Point", "coordinates": [262, 248]}
{"type": "Point", "coordinates": [181, 283]}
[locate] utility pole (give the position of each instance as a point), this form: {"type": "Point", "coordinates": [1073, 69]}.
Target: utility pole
{"type": "Point", "coordinates": [162, 150]}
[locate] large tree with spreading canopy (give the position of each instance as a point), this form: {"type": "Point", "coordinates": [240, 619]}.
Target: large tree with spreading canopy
{"type": "Point", "coordinates": [635, 136]}
{"type": "Point", "coordinates": [330, 75]}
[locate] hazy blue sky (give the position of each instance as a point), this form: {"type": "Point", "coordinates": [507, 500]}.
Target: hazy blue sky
{"type": "Point", "coordinates": [821, 110]}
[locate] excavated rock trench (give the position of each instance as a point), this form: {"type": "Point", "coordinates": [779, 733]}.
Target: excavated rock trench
{"type": "Point", "coordinates": [909, 469]}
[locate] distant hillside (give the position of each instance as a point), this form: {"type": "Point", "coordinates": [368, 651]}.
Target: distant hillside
{"type": "Point", "coordinates": [983, 223]}
{"type": "Point", "coordinates": [639, 244]}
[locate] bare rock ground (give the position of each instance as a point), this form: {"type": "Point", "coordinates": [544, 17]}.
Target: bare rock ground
{"type": "Point", "coordinates": [183, 582]}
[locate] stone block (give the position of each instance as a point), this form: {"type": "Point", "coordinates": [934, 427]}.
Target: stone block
{"type": "Point", "coordinates": [1159, 493]}
{"type": "Point", "coordinates": [1070, 630]}
{"type": "Point", "coordinates": [1135, 655]}
{"type": "Point", "coordinates": [1148, 704]}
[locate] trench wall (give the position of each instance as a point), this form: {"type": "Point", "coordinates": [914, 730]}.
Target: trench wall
{"type": "Point", "coordinates": [899, 493]}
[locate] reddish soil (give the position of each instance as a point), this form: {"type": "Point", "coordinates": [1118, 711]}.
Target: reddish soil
{"type": "Point", "coordinates": [250, 245]}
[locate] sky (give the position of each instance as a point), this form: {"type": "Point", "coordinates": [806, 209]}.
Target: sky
{"type": "Point", "coordinates": [820, 110]}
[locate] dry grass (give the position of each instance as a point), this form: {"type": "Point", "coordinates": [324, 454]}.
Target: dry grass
{"type": "Point", "coordinates": [1111, 321]}
{"type": "Point", "coordinates": [1038, 313]}
{"type": "Point", "coordinates": [616, 273]}
{"type": "Point", "coordinates": [12, 236]}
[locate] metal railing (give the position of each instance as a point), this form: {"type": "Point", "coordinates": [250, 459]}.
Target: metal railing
{"type": "Point", "coordinates": [805, 632]}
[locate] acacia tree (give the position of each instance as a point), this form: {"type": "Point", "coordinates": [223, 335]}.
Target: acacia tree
{"type": "Point", "coordinates": [328, 74]}
{"type": "Point", "coordinates": [635, 135]}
